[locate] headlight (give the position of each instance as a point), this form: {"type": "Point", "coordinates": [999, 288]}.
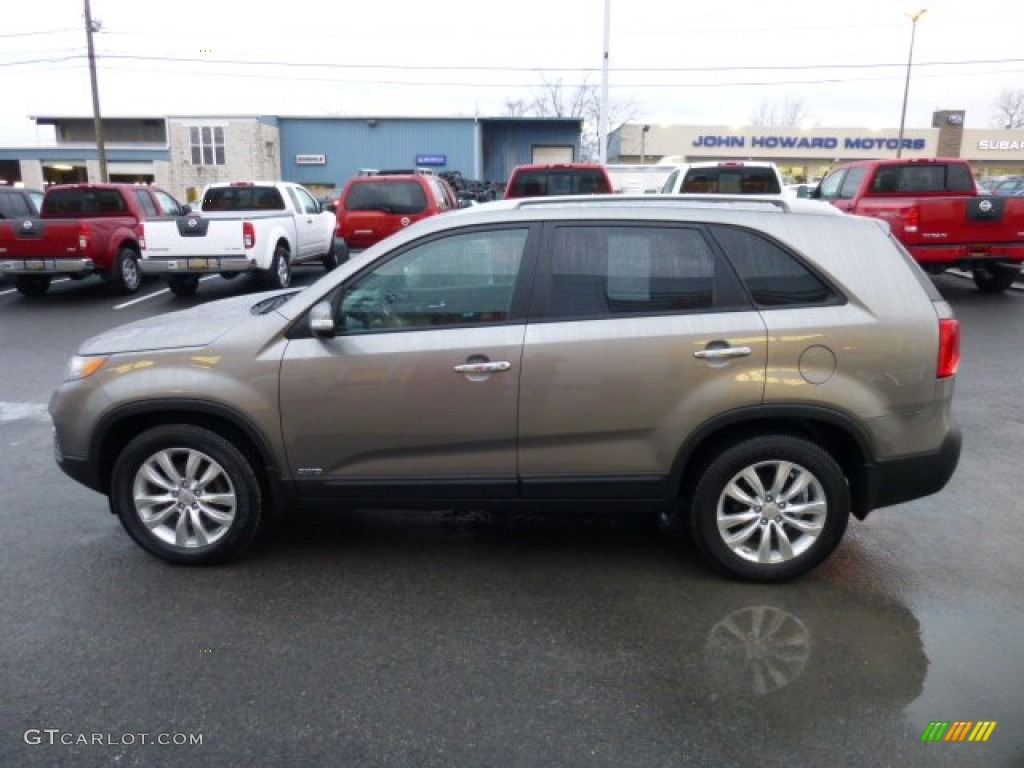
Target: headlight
{"type": "Point", "coordinates": [80, 367]}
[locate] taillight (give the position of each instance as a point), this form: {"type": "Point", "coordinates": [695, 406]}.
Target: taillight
{"type": "Point", "coordinates": [142, 236]}
{"type": "Point", "coordinates": [83, 236]}
{"type": "Point", "coordinates": [912, 218]}
{"type": "Point", "coordinates": [248, 234]}
{"type": "Point", "coordinates": [949, 347]}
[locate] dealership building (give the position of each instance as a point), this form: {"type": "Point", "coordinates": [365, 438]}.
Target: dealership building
{"type": "Point", "coordinates": [808, 154]}
{"type": "Point", "coordinates": [184, 153]}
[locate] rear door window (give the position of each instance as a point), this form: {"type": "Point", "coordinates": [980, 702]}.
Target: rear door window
{"type": "Point", "coordinates": [599, 271]}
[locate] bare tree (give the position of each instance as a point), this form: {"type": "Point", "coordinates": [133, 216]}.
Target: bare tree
{"type": "Point", "coordinates": [788, 113]}
{"type": "Point", "coordinates": [517, 108]}
{"type": "Point", "coordinates": [1009, 108]}
{"type": "Point", "coordinates": [553, 98]}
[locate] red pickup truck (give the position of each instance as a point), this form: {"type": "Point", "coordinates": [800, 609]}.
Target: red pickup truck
{"type": "Point", "coordinates": [934, 209]}
{"type": "Point", "coordinates": [82, 229]}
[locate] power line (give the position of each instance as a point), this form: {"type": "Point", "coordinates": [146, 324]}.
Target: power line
{"type": "Point", "coordinates": [37, 34]}
{"type": "Point", "coordinates": [488, 68]}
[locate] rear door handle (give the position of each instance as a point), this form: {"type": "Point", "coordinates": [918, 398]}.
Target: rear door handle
{"type": "Point", "coordinates": [489, 367]}
{"type": "Point", "coordinates": [722, 353]}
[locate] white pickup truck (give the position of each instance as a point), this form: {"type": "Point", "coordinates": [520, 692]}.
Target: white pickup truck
{"type": "Point", "coordinates": [261, 227]}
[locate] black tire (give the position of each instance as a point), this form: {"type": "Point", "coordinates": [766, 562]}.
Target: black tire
{"type": "Point", "coordinates": [126, 276]}
{"type": "Point", "coordinates": [772, 541]}
{"type": "Point", "coordinates": [32, 285]}
{"type": "Point", "coordinates": [995, 278]}
{"type": "Point", "coordinates": [157, 476]}
{"type": "Point", "coordinates": [183, 285]}
{"type": "Point", "coordinates": [337, 255]}
{"type": "Point", "coordinates": [280, 273]}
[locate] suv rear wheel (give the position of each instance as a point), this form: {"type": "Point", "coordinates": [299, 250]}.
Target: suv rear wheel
{"type": "Point", "coordinates": [770, 508]}
{"type": "Point", "coordinates": [186, 495]}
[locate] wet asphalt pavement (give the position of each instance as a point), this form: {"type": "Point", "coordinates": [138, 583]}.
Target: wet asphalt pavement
{"type": "Point", "coordinates": [482, 640]}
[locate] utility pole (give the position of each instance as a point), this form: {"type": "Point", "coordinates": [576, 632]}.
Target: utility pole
{"type": "Point", "coordinates": [602, 117]}
{"type": "Point", "coordinates": [91, 27]}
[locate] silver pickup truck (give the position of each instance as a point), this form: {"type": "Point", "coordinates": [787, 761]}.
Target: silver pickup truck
{"type": "Point", "coordinates": [262, 227]}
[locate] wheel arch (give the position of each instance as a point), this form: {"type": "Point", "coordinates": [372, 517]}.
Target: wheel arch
{"type": "Point", "coordinates": [834, 432]}
{"type": "Point", "coordinates": [121, 426]}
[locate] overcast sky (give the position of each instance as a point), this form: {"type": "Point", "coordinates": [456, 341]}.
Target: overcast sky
{"type": "Point", "coordinates": [710, 62]}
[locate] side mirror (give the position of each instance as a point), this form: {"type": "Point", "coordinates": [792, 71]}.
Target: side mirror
{"type": "Point", "coordinates": [321, 321]}
{"type": "Point", "coordinates": [330, 207]}
{"type": "Point", "coordinates": [186, 210]}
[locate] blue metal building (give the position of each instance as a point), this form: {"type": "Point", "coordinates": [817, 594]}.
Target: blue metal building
{"type": "Point", "coordinates": [326, 151]}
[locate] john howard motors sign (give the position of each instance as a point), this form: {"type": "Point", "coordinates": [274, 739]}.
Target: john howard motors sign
{"type": "Point", "coordinates": [824, 143]}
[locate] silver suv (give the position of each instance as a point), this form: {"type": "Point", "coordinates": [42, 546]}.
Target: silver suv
{"type": "Point", "coordinates": [758, 372]}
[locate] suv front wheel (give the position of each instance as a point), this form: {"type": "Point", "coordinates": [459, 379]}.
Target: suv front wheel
{"type": "Point", "coordinates": [186, 495]}
{"type": "Point", "coordinates": [770, 508]}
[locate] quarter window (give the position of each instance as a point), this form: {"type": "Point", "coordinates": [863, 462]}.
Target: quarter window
{"type": "Point", "coordinates": [207, 144]}
{"type": "Point", "coordinates": [459, 280]}
{"type": "Point", "coordinates": [772, 276]}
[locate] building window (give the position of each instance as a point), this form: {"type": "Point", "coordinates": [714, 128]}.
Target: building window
{"type": "Point", "coordinates": [207, 143]}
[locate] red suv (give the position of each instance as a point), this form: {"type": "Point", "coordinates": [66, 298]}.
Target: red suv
{"type": "Point", "coordinates": [558, 179]}
{"type": "Point", "coordinates": [376, 204]}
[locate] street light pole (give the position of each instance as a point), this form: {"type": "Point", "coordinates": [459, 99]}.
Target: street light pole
{"type": "Point", "coordinates": [91, 27]}
{"type": "Point", "coordinates": [906, 85]}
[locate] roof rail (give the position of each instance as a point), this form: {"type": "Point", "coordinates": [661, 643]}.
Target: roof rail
{"type": "Point", "coordinates": [755, 202]}
{"type": "Point", "coordinates": [404, 172]}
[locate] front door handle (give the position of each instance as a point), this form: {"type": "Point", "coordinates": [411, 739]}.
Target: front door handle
{"type": "Point", "coordinates": [488, 367]}
{"type": "Point", "coordinates": [722, 353]}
